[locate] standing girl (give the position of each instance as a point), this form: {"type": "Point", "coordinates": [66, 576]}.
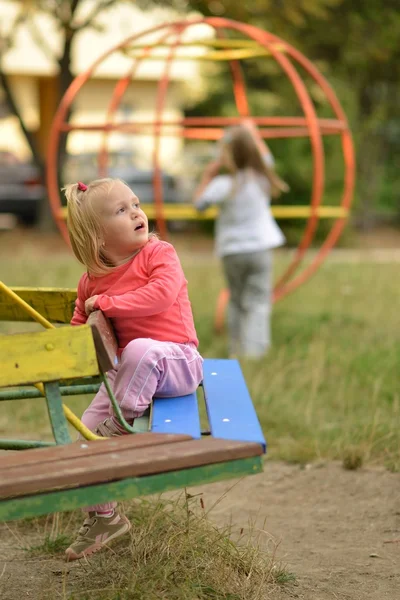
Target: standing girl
{"type": "Point", "coordinates": [137, 281]}
{"type": "Point", "coordinates": [245, 233]}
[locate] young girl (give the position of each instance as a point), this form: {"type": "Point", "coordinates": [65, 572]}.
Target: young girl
{"type": "Point", "coordinates": [137, 281]}
{"type": "Point", "coordinates": [245, 233]}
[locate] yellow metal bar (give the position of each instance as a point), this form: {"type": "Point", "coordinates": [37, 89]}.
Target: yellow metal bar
{"type": "Point", "coordinates": [40, 387]}
{"type": "Point", "coordinates": [217, 55]}
{"type": "Point", "coordinates": [225, 49]}
{"type": "Point", "coordinates": [79, 426]}
{"type": "Point", "coordinates": [73, 419]}
{"type": "Point", "coordinates": [304, 212]}
{"type": "Point", "coordinates": [187, 212]}
{"type": "Point", "coordinates": [25, 306]}
{"type": "Point", "coordinates": [213, 43]}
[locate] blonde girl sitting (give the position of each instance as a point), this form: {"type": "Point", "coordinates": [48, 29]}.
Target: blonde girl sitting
{"type": "Point", "coordinates": [137, 281]}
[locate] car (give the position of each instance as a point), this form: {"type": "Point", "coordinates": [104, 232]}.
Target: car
{"type": "Point", "coordinates": [21, 188]}
{"type": "Point", "coordinates": [85, 167]}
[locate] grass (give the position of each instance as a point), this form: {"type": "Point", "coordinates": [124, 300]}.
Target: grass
{"type": "Point", "coordinates": [51, 544]}
{"type": "Point", "coordinates": [328, 388]}
{"type": "Point", "coordinates": [172, 553]}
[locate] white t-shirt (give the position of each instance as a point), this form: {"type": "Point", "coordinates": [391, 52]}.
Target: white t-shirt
{"type": "Point", "coordinates": [245, 222]}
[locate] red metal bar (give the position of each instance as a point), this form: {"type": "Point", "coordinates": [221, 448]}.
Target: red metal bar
{"type": "Point", "coordinates": [349, 178]}
{"type": "Point", "coordinates": [116, 99]}
{"type": "Point", "coordinates": [239, 86]}
{"type": "Point", "coordinates": [268, 134]}
{"type": "Point", "coordinates": [59, 122]}
{"type": "Point", "coordinates": [311, 118]}
{"type": "Point", "coordinates": [132, 126]}
{"type": "Point", "coordinates": [316, 144]}
{"type": "Point", "coordinates": [211, 127]}
{"type": "Point", "coordinates": [161, 98]}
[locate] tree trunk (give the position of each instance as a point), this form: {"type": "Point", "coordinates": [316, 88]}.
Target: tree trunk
{"type": "Point", "coordinates": [370, 155]}
{"type": "Point", "coordinates": [65, 78]}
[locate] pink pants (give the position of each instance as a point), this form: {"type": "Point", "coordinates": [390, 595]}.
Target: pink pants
{"type": "Point", "coordinates": [148, 368]}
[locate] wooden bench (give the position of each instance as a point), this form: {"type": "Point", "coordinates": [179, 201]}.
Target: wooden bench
{"type": "Point", "coordinates": [41, 481]}
{"type": "Point", "coordinates": [172, 452]}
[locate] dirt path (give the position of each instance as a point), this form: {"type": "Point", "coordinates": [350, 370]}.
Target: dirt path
{"type": "Point", "coordinates": [338, 531]}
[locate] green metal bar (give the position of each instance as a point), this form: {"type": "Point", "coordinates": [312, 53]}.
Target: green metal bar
{"type": "Point", "coordinates": [77, 390]}
{"type": "Point", "coordinates": [95, 379]}
{"type": "Point", "coordinates": [19, 394]}
{"type": "Point", "coordinates": [56, 413]}
{"type": "Point", "coordinates": [65, 390]}
{"type": "Point", "coordinates": [23, 444]}
{"type": "Point", "coordinates": [59, 501]}
{"type": "Point", "coordinates": [116, 407]}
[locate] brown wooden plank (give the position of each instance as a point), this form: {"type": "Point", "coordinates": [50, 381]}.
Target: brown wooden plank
{"type": "Point", "coordinates": [104, 340]}
{"type": "Point", "coordinates": [86, 448]}
{"type": "Point", "coordinates": [119, 464]}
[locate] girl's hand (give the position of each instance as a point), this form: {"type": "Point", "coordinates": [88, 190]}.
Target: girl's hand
{"type": "Point", "coordinates": [212, 169]}
{"type": "Point", "coordinates": [249, 124]}
{"type": "Point", "coordinates": [89, 304]}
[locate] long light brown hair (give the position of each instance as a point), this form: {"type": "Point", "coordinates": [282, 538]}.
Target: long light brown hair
{"type": "Point", "coordinates": [246, 154]}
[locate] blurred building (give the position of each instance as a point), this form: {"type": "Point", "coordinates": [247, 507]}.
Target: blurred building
{"type": "Point", "coordinates": [33, 78]}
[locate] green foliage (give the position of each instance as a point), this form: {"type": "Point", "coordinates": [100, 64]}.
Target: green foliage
{"type": "Point", "coordinates": [360, 58]}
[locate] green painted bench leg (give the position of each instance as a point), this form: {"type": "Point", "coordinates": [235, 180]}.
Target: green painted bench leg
{"type": "Point", "coordinates": [56, 413]}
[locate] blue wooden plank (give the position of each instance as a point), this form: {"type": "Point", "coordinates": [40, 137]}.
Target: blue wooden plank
{"type": "Point", "coordinates": [176, 415]}
{"type": "Point", "coordinates": [230, 410]}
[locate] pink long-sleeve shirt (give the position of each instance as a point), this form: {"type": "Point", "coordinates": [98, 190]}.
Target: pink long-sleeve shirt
{"type": "Point", "coordinates": [146, 297]}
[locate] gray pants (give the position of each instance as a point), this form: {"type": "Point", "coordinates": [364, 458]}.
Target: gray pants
{"type": "Point", "coordinates": [249, 280]}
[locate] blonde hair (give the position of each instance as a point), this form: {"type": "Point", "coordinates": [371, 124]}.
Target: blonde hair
{"type": "Point", "coordinates": [84, 227]}
{"type": "Point", "coordinates": [246, 154]}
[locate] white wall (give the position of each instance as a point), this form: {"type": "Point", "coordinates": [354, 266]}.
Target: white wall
{"type": "Point", "coordinates": [118, 22]}
{"type": "Point", "coordinates": [26, 61]}
{"type": "Point", "coordinates": [139, 101]}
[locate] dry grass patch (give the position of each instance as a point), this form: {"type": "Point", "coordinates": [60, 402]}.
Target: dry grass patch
{"type": "Point", "coordinates": [173, 552]}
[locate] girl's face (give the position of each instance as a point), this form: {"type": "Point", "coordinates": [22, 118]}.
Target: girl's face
{"type": "Point", "coordinates": [123, 222]}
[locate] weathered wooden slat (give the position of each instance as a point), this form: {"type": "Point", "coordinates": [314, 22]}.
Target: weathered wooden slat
{"type": "Point", "coordinates": [121, 464]}
{"type": "Point", "coordinates": [126, 489]}
{"type": "Point", "coordinates": [60, 353]}
{"type": "Point", "coordinates": [56, 305]}
{"type": "Point", "coordinates": [86, 448]}
{"type": "Point", "coordinates": [104, 340]}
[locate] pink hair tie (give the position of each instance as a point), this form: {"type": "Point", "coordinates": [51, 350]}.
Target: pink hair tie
{"type": "Point", "coordinates": [81, 186]}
